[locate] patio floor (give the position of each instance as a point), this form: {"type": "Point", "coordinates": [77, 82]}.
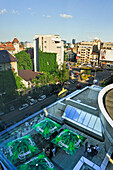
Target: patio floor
{"type": "Point", "coordinates": [64, 161]}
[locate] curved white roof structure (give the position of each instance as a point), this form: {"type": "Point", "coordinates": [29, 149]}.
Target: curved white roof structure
{"type": "Point", "coordinates": [108, 115]}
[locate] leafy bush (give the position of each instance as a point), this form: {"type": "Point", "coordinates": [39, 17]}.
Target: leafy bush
{"type": "Point", "coordinates": [24, 61]}
{"type": "Point", "coordinates": [9, 83]}
{"type": "Point", "coordinates": [18, 81]}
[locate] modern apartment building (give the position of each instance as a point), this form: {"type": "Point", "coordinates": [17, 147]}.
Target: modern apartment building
{"type": "Point", "coordinates": [107, 45]}
{"type": "Point", "coordinates": [48, 43]}
{"type": "Point", "coordinates": [94, 52]}
{"type": "Point", "coordinates": [88, 51]}
{"type": "Point", "coordinates": [84, 51]}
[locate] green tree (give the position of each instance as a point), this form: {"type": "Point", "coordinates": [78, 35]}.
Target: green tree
{"type": "Point", "coordinates": [63, 74]}
{"type": "Point", "coordinates": [66, 56]}
{"type": "Point", "coordinates": [18, 80]}
{"type": "Point", "coordinates": [24, 61]}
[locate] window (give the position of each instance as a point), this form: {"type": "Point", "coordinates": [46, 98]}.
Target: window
{"type": "Point", "coordinates": [9, 68]}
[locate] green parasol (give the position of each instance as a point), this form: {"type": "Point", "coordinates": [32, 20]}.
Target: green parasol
{"type": "Point", "coordinates": [46, 127]}
{"type": "Point", "coordinates": [19, 150]}
{"type": "Point", "coordinates": [40, 162]}
{"type": "Point", "coordinates": [69, 141]}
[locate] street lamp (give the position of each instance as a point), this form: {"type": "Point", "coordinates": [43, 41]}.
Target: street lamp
{"type": "Point", "coordinates": [95, 74]}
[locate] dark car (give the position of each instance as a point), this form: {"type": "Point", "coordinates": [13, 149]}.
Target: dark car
{"type": "Point", "coordinates": [73, 81]}
{"type": "Point", "coordinates": [78, 86]}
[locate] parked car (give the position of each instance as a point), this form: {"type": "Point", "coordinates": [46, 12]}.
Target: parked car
{"type": "Point", "coordinates": [78, 86]}
{"type": "Point", "coordinates": [1, 113]}
{"type": "Point", "coordinates": [73, 81]}
{"type": "Point", "coordinates": [12, 108]}
{"type": "Point", "coordinates": [32, 101]}
{"type": "Point", "coordinates": [95, 81]}
{"type": "Point", "coordinates": [28, 97]}
{"type": "Point", "coordinates": [67, 83]}
{"type": "Point", "coordinates": [42, 97]}
{"type": "Point", "coordinates": [23, 106]}
{"type": "Point", "coordinates": [89, 65]}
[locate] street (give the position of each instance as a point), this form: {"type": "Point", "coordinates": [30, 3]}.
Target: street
{"type": "Point", "coordinates": [16, 115]}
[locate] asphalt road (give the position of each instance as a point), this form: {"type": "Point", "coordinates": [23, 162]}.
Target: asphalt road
{"type": "Point", "coordinates": [16, 115]}
{"type": "Point", "coordinates": [103, 75]}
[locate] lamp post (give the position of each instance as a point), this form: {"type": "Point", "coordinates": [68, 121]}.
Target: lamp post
{"type": "Point", "coordinates": [95, 74]}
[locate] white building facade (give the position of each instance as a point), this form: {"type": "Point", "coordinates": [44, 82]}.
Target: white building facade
{"type": "Point", "coordinates": [48, 43]}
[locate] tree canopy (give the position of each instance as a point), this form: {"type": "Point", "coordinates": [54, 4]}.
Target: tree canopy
{"type": "Point", "coordinates": [9, 83]}
{"type": "Point", "coordinates": [51, 78]}
{"type": "Point", "coordinates": [24, 61]}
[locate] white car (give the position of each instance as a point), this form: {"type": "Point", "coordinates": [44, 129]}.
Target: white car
{"type": "Point", "coordinates": [23, 106]}
{"type": "Point", "coordinates": [32, 101]}
{"type": "Point", "coordinates": [67, 83]}
{"type": "Point", "coordinates": [89, 65]}
{"type": "Point", "coordinates": [42, 98]}
{"type": "Point", "coordinates": [12, 108]}
{"type": "Point", "coordinates": [95, 81]}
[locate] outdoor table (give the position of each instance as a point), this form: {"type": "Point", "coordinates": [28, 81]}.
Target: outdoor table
{"type": "Point", "coordinates": [69, 141]}
{"type": "Point", "coordinates": [40, 162]}
{"type": "Point", "coordinates": [47, 127]}
{"type": "Point", "coordinates": [21, 149]}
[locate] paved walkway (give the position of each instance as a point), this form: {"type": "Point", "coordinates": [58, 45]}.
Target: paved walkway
{"type": "Point", "coordinates": [66, 161]}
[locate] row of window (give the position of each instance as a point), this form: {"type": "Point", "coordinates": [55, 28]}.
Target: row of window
{"type": "Point", "coordinates": [8, 68]}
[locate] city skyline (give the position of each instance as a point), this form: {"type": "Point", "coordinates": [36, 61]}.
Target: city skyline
{"type": "Point", "coordinates": [82, 20]}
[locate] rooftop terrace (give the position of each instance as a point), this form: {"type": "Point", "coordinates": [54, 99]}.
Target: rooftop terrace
{"type": "Point", "coordinates": [63, 159]}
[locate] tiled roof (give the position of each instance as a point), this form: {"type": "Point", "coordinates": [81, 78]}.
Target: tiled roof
{"type": "Point", "coordinates": [7, 46]}
{"type": "Point", "coordinates": [27, 75]}
{"type": "Point", "coordinates": [15, 40]}
{"type": "Point", "coordinates": [6, 57]}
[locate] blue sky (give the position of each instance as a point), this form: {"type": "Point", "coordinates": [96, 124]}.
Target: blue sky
{"type": "Point", "coordinates": [79, 19]}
